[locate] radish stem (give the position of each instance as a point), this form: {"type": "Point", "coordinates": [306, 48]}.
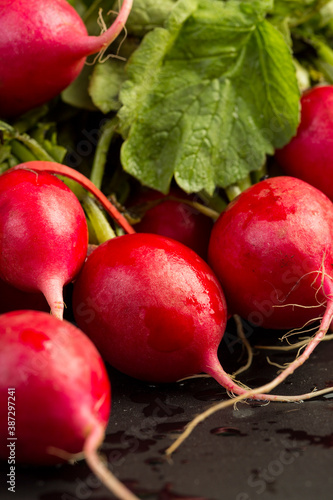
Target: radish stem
{"type": "Point", "coordinates": [100, 225]}
{"type": "Point", "coordinates": [97, 171]}
{"type": "Point", "coordinates": [58, 168]}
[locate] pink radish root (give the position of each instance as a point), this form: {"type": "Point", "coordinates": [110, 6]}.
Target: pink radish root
{"type": "Point", "coordinates": [213, 367]}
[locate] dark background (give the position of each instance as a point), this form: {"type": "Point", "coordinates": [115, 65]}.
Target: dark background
{"type": "Point", "coordinates": [253, 452]}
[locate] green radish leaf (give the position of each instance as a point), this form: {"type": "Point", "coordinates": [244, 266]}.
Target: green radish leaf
{"type": "Point", "coordinates": [208, 96]}
{"type": "Point", "coordinates": [76, 94]}
{"type": "Point", "coordinates": [147, 15]}
{"type": "Point", "coordinates": [108, 76]}
{"type": "Point", "coordinates": [297, 11]}
{"type": "Point", "coordinates": [105, 83]}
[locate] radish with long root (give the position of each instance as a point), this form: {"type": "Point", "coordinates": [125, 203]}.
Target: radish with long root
{"type": "Point", "coordinates": [55, 394]}
{"type": "Point", "coordinates": [43, 230]}
{"type": "Point", "coordinates": [155, 310]}
{"type": "Point", "coordinates": [272, 252]}
{"type": "Point", "coordinates": [44, 45]}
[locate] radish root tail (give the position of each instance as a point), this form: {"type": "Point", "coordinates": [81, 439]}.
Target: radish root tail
{"type": "Point", "coordinates": [97, 466]}
{"type": "Point", "coordinates": [100, 55]}
{"type": "Point", "coordinates": [224, 404]}
{"type": "Point", "coordinates": [290, 347]}
{"type": "Point", "coordinates": [246, 344]}
{"type": "Point", "coordinates": [260, 392]}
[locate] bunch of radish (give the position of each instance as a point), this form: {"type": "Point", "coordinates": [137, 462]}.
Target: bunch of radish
{"type": "Point", "coordinates": [151, 305]}
{"type": "Point", "coordinates": [239, 241]}
{"type": "Point", "coordinates": [157, 312]}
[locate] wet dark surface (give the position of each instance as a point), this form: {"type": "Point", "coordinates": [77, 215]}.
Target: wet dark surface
{"type": "Point", "coordinates": [252, 452]}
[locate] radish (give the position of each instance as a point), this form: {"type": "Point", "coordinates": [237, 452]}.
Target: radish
{"type": "Point", "coordinates": [54, 394]}
{"type": "Point", "coordinates": [43, 234]}
{"type": "Point", "coordinates": [154, 309]}
{"type": "Point", "coordinates": [308, 156]}
{"type": "Point", "coordinates": [43, 230]}
{"type": "Point", "coordinates": [150, 305]}
{"type": "Point", "coordinates": [175, 219]}
{"type": "Point", "coordinates": [43, 47]}
{"type": "Point", "coordinates": [272, 251]}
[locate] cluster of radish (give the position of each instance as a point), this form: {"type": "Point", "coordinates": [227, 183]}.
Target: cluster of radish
{"type": "Point", "coordinates": [43, 244]}
{"type": "Point", "coordinates": [147, 304]}
{"type": "Point", "coordinates": [151, 306]}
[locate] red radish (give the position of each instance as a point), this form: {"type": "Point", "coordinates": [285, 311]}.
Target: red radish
{"type": "Point", "coordinates": [152, 306]}
{"type": "Point", "coordinates": [43, 47]}
{"type": "Point", "coordinates": [272, 251]}
{"type": "Point", "coordinates": [55, 394]}
{"type": "Point", "coordinates": [175, 219]}
{"type": "Point", "coordinates": [43, 230]}
{"type": "Point", "coordinates": [308, 156]}
{"type": "Point", "coordinates": [13, 299]}
{"type": "Point", "coordinates": [43, 234]}
{"type": "Point", "coordinates": [154, 309]}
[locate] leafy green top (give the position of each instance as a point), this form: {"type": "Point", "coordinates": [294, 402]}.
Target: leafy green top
{"type": "Point", "coordinates": [210, 88]}
{"type": "Point", "coordinates": [208, 96]}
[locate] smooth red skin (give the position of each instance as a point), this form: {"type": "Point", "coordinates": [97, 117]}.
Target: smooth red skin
{"type": "Point", "coordinates": [61, 386]}
{"type": "Point", "coordinates": [266, 240]}
{"type": "Point", "coordinates": [40, 52]}
{"type": "Point", "coordinates": [308, 156]}
{"type": "Point", "coordinates": [13, 299]}
{"type": "Point", "coordinates": [152, 306]}
{"type": "Point", "coordinates": [176, 220]}
{"type": "Point", "coordinates": [43, 231]}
